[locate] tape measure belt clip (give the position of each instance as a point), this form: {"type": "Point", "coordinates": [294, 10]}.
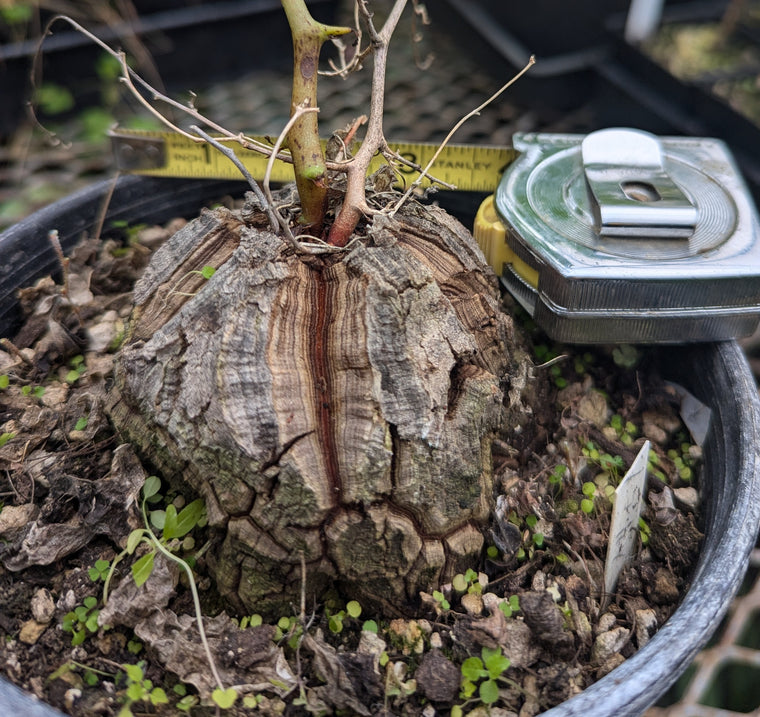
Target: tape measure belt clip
{"type": "Point", "coordinates": [631, 192]}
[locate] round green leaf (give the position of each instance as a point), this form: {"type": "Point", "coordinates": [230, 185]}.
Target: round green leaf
{"type": "Point", "coordinates": [489, 692]}
{"type": "Point", "coordinates": [224, 698]}
{"type": "Point", "coordinates": [459, 583]}
{"type": "Point", "coordinates": [152, 486]}
{"type": "Point", "coordinates": [472, 669]}
{"type": "Point", "coordinates": [354, 609]}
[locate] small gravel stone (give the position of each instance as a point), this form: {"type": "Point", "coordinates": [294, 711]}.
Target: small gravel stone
{"type": "Point", "coordinates": [473, 604]}
{"type": "Point", "coordinates": [43, 606]}
{"type": "Point", "coordinates": [13, 517]}
{"type": "Point", "coordinates": [437, 677]}
{"type": "Point", "coordinates": [646, 626]}
{"type": "Point", "coordinates": [608, 643]}
{"type": "Point", "coordinates": [606, 622]}
{"type": "Point", "coordinates": [688, 497]}
{"type": "Point", "coordinates": [30, 632]}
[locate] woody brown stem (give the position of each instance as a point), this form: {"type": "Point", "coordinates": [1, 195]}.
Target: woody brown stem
{"type": "Point", "coordinates": [303, 139]}
{"type": "Point", "coordinates": [354, 203]}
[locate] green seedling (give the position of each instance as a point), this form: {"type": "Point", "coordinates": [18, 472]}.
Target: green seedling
{"type": "Point", "coordinates": [532, 539]}
{"type": "Point", "coordinates": [557, 475]}
{"type": "Point", "coordinates": [583, 363]}
{"type": "Point", "coordinates": [76, 368]}
{"type": "Point", "coordinates": [370, 626]}
{"type": "Point", "coordinates": [292, 629]}
{"type": "Point", "coordinates": [483, 674]}
{"type": "Point", "coordinates": [130, 230]}
{"type": "Point", "coordinates": [556, 373]}
{"type": "Point", "coordinates": [172, 524]}
{"type": "Point", "coordinates": [467, 582]}
{"type": "Point", "coordinates": [224, 699]}
{"type": "Point", "coordinates": [599, 489]}
{"type": "Point", "coordinates": [335, 620]}
{"type": "Point", "coordinates": [653, 467]}
{"type": "Point", "coordinates": [587, 504]}
{"type": "Point", "coordinates": [543, 353]}
{"type": "Point", "coordinates": [134, 646]}
{"type": "Point", "coordinates": [140, 690]}
{"type": "Point", "coordinates": [5, 437]}
{"type": "Point", "coordinates": [613, 466]}
{"type": "Point", "coordinates": [683, 459]}
{"type": "Point", "coordinates": [36, 391]}
{"type": "Point", "coordinates": [537, 538]}
{"type": "Point", "coordinates": [251, 621]}
{"type": "Point", "coordinates": [626, 356]}
{"type": "Point", "coordinates": [4, 381]}
{"type": "Point", "coordinates": [626, 431]}
{"type": "Point", "coordinates": [511, 606]}
{"type": "Point", "coordinates": [82, 620]}
{"type": "Point", "coordinates": [186, 701]}
{"type": "Point", "coordinates": [100, 570]}
{"type": "Point", "coordinates": [205, 272]}
{"type": "Point", "coordinates": [175, 525]}
{"type": "Point", "coordinates": [441, 600]}
{"type": "Point", "coordinates": [90, 676]}
{"type": "Point", "coordinates": [644, 531]}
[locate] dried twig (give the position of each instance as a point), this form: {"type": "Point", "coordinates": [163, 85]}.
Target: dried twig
{"type": "Point", "coordinates": [346, 67]}
{"type": "Point", "coordinates": [354, 203]}
{"type": "Point", "coordinates": [473, 113]}
{"type": "Point", "coordinates": [227, 152]}
{"type": "Point", "coordinates": [268, 173]}
{"type": "Point", "coordinates": [131, 79]}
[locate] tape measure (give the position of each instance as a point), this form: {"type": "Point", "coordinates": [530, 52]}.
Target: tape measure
{"type": "Point", "coordinates": [169, 154]}
{"type": "Point", "coordinates": [619, 236]}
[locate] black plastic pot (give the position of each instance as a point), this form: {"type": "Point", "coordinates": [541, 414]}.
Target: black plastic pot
{"type": "Point", "coordinates": [717, 374]}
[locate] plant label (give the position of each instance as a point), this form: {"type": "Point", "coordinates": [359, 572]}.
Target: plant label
{"type": "Point", "coordinates": [624, 528]}
{"type": "Point", "coordinates": [694, 413]}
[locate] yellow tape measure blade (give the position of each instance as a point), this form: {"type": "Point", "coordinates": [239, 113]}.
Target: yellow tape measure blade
{"type": "Point", "coordinates": [170, 154]}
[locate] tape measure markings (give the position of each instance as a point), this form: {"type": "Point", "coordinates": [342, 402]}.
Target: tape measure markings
{"type": "Point", "coordinates": [170, 154]}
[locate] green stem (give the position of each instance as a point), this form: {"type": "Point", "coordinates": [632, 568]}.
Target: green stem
{"type": "Point", "coordinates": [303, 138]}
{"type": "Point", "coordinates": [158, 545]}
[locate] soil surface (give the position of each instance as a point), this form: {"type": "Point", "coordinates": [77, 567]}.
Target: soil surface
{"type": "Point", "coordinates": [521, 631]}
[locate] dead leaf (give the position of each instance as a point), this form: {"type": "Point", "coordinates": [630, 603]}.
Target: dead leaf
{"type": "Point", "coordinates": [338, 691]}
{"type": "Point", "coordinates": [176, 642]}
{"type": "Point", "coordinates": [108, 506]}
{"type": "Point", "coordinates": [128, 604]}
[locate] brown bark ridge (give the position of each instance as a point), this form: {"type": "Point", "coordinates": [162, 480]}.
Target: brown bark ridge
{"type": "Point", "coordinates": [341, 407]}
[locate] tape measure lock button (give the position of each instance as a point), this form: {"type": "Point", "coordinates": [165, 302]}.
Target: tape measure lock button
{"type": "Point", "coordinates": [636, 238]}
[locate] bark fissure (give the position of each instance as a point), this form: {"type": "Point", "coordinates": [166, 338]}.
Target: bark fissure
{"type": "Point", "coordinates": [319, 353]}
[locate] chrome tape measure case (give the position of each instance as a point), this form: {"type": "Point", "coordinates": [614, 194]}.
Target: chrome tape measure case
{"type": "Point", "coordinates": [620, 236]}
